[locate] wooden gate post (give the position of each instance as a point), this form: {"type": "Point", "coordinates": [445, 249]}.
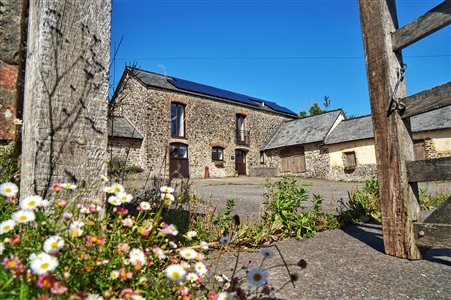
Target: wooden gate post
{"type": "Point", "coordinates": [393, 143]}
{"type": "Point", "coordinates": [66, 88]}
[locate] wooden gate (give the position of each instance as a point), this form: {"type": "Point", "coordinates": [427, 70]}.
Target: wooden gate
{"type": "Point", "coordinates": [398, 172]}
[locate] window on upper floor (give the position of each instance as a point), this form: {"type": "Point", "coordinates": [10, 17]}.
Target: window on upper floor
{"type": "Point", "coordinates": [177, 120]}
{"type": "Point", "coordinates": [240, 127]}
{"type": "Point", "coordinates": [217, 154]}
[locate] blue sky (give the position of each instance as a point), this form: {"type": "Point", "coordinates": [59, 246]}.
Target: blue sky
{"type": "Point", "coordinates": [291, 52]}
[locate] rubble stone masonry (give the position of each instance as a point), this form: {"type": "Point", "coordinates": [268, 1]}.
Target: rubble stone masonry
{"type": "Point", "coordinates": [209, 122]}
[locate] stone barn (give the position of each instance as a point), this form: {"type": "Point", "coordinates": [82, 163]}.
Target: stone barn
{"type": "Point", "coordinates": [194, 130]}
{"type": "Point", "coordinates": [297, 147]}
{"type": "Point", "coordinates": [351, 143]}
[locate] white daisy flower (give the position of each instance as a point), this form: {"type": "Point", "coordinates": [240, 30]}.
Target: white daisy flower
{"type": "Point", "coordinates": [191, 234]}
{"type": "Point", "coordinates": [8, 189]}
{"type": "Point", "coordinates": [192, 277]}
{"type": "Point", "coordinates": [117, 188]}
{"type": "Point", "coordinates": [114, 275]}
{"type": "Point", "coordinates": [17, 122]}
{"type": "Point", "coordinates": [31, 202]}
{"type": "Point", "coordinates": [200, 268]}
{"type": "Point", "coordinates": [7, 226]}
{"type": "Point", "coordinates": [175, 273]}
{"type": "Point", "coordinates": [225, 296]}
{"type": "Point", "coordinates": [137, 257]}
{"type": "Point", "coordinates": [23, 216]}
{"type": "Point", "coordinates": [159, 253]}
{"type": "Point", "coordinates": [75, 229]}
{"type": "Point", "coordinates": [103, 178]}
{"type": "Point", "coordinates": [137, 297]}
{"type": "Point", "coordinates": [144, 205]}
{"type": "Point", "coordinates": [166, 190]}
{"type": "Point", "coordinates": [42, 263]}
{"type": "Point", "coordinates": [257, 277]}
{"type": "Point", "coordinates": [84, 210]}
{"type": "Point", "coordinates": [114, 200]}
{"type": "Point", "coordinates": [188, 253]}
{"type": "Point", "coordinates": [168, 197]}
{"type": "Point", "coordinates": [124, 197]}
{"type": "Point", "coordinates": [128, 222]}
{"type": "Point", "coordinates": [53, 244]}
{"type": "Point", "coordinates": [69, 186]}
{"type": "Point", "coordinates": [108, 189]}
{"type": "Point", "coordinates": [267, 253]}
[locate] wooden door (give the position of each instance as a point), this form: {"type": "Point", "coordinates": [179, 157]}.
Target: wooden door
{"type": "Point", "coordinates": [178, 161]}
{"type": "Point", "coordinates": [240, 162]}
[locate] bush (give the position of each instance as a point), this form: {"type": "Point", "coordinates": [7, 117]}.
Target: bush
{"type": "Point", "coordinates": [430, 201]}
{"type": "Point", "coordinates": [9, 166]}
{"type": "Point", "coordinates": [363, 204]}
{"type": "Point", "coordinates": [285, 213]}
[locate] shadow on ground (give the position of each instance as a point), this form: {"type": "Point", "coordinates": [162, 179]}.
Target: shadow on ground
{"type": "Point", "coordinates": [371, 235]}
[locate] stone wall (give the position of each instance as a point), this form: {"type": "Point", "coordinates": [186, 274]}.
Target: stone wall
{"type": "Point", "coordinates": [125, 149]}
{"type": "Point", "coordinates": [12, 23]}
{"type": "Point", "coordinates": [209, 122]}
{"type": "Point", "coordinates": [316, 161]}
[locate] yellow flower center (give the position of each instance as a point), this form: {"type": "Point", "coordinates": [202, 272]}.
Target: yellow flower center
{"type": "Point", "coordinates": [117, 190]}
{"type": "Point", "coordinates": [32, 203]}
{"type": "Point", "coordinates": [257, 277]}
{"type": "Point", "coordinates": [175, 275]}
{"type": "Point", "coordinates": [23, 218]}
{"type": "Point", "coordinates": [44, 266]}
{"type": "Point", "coordinates": [8, 190]}
{"type": "Point", "coordinates": [6, 227]}
{"type": "Point", "coordinates": [11, 264]}
{"type": "Point", "coordinates": [54, 245]}
{"type": "Point", "coordinates": [75, 232]}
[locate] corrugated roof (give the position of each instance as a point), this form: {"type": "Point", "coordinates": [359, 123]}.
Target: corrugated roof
{"type": "Point", "coordinates": [303, 131]}
{"type": "Point", "coordinates": [362, 128]}
{"type": "Point", "coordinates": [151, 79]}
{"type": "Point", "coordinates": [121, 127]}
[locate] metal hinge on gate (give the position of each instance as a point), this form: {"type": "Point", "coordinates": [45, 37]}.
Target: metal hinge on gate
{"type": "Point", "coordinates": [394, 103]}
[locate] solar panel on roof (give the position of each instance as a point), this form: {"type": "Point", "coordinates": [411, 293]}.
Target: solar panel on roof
{"type": "Point", "coordinates": [220, 93]}
{"type": "Point", "coordinates": [209, 90]}
{"type": "Point", "coordinates": [277, 107]}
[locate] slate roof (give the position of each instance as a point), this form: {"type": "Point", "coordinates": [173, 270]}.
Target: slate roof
{"type": "Point", "coordinates": [121, 127]}
{"type": "Point", "coordinates": [362, 128]}
{"type": "Point", "coordinates": [150, 79]}
{"type": "Point", "coordinates": [303, 131]}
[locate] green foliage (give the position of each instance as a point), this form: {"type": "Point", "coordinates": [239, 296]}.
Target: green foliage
{"type": "Point", "coordinates": [285, 213]}
{"type": "Point", "coordinates": [363, 204]}
{"type": "Point", "coordinates": [302, 114]}
{"type": "Point", "coordinates": [118, 168]}
{"type": "Point", "coordinates": [9, 166]}
{"type": "Point", "coordinates": [224, 220]}
{"type": "Point", "coordinates": [430, 201]}
{"type": "Point", "coordinates": [315, 109]}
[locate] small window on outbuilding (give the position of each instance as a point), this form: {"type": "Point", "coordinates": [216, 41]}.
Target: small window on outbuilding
{"type": "Point", "coordinates": [350, 161]}
{"type": "Point", "coordinates": [217, 154]}
{"type": "Point", "coordinates": [262, 157]}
